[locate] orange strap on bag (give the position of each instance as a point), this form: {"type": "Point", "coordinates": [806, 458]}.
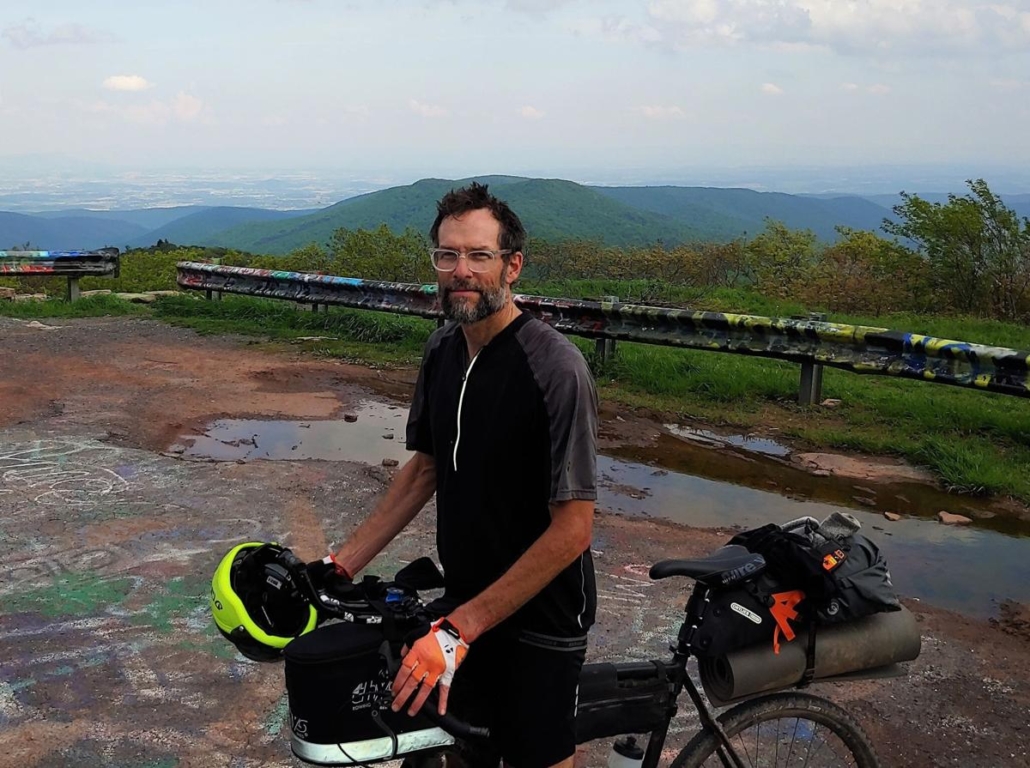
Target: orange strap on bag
{"type": "Point", "coordinates": [784, 610]}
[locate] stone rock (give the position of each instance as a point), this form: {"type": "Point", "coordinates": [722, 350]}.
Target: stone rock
{"type": "Point", "coordinates": [947, 518]}
{"type": "Point", "coordinates": [137, 298]}
{"type": "Point", "coordinates": [30, 297]}
{"type": "Point", "coordinates": [830, 402]}
{"type": "Point", "coordinates": [87, 294]}
{"type": "Point", "coordinates": [350, 417]}
{"type": "Point", "coordinates": [861, 469]}
{"type": "Point", "coordinates": [390, 462]}
{"type": "Point", "coordinates": [8, 294]}
{"type": "Point", "coordinates": [388, 436]}
{"type": "Point", "coordinates": [821, 473]}
{"type": "Point", "coordinates": [164, 293]}
{"type": "Point", "coordinates": [892, 516]}
{"type": "Point", "coordinates": [40, 326]}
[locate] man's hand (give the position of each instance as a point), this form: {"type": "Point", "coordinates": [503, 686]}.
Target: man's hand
{"type": "Point", "coordinates": [432, 659]}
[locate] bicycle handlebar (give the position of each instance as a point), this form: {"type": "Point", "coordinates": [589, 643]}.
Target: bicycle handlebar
{"type": "Point", "coordinates": [450, 723]}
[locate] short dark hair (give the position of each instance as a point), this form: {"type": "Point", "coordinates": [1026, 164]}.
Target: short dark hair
{"type": "Point", "coordinates": [472, 198]}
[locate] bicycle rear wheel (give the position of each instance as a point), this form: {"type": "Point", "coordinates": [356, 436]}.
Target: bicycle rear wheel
{"type": "Point", "coordinates": [784, 730]}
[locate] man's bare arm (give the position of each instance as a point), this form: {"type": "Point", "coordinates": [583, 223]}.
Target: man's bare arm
{"type": "Point", "coordinates": [409, 492]}
{"type": "Point", "coordinates": [565, 539]}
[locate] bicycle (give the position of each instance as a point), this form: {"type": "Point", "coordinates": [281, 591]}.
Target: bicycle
{"type": "Point", "coordinates": [778, 728]}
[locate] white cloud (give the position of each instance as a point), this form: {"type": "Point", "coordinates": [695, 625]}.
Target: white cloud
{"type": "Point", "coordinates": [29, 34]}
{"type": "Point", "coordinates": [661, 112]}
{"type": "Point", "coordinates": [877, 89]}
{"type": "Point", "coordinates": [771, 89]}
{"type": "Point", "coordinates": [184, 108]}
{"type": "Point", "coordinates": [187, 107]}
{"type": "Point", "coordinates": [535, 6]}
{"type": "Point", "coordinates": [615, 29]}
{"type": "Point", "coordinates": [356, 110]}
{"type": "Point", "coordinates": [852, 26]}
{"type": "Point", "coordinates": [426, 110]}
{"type": "Point", "coordinates": [1009, 84]}
{"type": "Point", "coordinates": [531, 113]}
{"type": "Point", "coordinates": [127, 83]}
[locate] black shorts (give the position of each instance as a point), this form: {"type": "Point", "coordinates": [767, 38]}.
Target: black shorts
{"type": "Point", "coordinates": [524, 687]}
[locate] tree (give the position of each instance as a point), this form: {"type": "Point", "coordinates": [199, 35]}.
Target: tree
{"type": "Point", "coordinates": [780, 258]}
{"type": "Point", "coordinates": [977, 250]}
{"type": "Point", "coordinates": [380, 254]}
{"type": "Point", "coordinates": [864, 272]}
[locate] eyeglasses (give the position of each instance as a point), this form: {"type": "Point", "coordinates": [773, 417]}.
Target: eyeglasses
{"type": "Point", "coordinates": [446, 260]}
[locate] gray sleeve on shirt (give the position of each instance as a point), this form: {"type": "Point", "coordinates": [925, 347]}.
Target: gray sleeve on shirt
{"type": "Point", "coordinates": [418, 434]}
{"type": "Point", "coordinates": [570, 400]}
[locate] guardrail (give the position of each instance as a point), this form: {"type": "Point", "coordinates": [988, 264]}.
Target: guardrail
{"type": "Point", "coordinates": [811, 343]}
{"type": "Point", "coordinates": [70, 264]}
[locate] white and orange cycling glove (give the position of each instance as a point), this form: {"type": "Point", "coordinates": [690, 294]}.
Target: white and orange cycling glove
{"type": "Point", "coordinates": [432, 659]}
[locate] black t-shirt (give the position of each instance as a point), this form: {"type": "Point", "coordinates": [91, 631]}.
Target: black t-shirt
{"type": "Point", "coordinates": [511, 431]}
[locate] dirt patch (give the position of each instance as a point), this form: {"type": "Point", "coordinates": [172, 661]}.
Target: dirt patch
{"type": "Point", "coordinates": [1014, 619]}
{"type": "Point", "coordinates": [84, 372]}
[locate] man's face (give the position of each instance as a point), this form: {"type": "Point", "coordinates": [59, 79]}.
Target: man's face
{"type": "Point", "coordinates": [467, 296]}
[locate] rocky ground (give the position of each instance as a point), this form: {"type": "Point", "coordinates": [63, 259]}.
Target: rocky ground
{"type": "Point", "coordinates": [107, 653]}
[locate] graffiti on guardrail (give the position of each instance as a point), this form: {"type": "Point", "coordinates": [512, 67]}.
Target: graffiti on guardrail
{"type": "Point", "coordinates": [77, 263]}
{"type": "Point", "coordinates": [856, 348]}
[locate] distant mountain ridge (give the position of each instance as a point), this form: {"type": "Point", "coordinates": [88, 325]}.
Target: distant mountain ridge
{"type": "Point", "coordinates": [64, 233]}
{"type": "Point", "coordinates": [551, 209]}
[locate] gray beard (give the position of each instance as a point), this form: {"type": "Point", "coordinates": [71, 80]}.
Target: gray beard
{"type": "Point", "coordinates": [468, 312]}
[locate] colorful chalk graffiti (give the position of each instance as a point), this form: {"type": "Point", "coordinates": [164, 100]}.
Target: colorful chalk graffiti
{"type": "Point", "coordinates": [104, 624]}
{"type": "Point", "coordinates": [49, 473]}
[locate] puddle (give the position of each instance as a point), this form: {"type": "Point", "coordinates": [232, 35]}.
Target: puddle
{"type": "Point", "coordinates": [707, 480]}
{"type": "Point", "coordinates": [771, 473]}
{"type": "Point", "coordinates": [969, 570]}
{"type": "Point", "coordinates": [377, 434]}
{"type": "Point", "coordinates": [751, 443]}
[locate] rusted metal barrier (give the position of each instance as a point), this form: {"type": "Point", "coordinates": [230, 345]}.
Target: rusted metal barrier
{"type": "Point", "coordinates": [856, 348]}
{"type": "Point", "coordinates": [69, 264]}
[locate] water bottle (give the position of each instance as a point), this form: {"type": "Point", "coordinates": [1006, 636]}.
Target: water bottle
{"type": "Point", "coordinates": [626, 753]}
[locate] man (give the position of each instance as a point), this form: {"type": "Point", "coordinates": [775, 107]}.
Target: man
{"type": "Point", "coordinates": [504, 428]}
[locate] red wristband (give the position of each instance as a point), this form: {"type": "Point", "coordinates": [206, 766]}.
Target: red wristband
{"type": "Point", "coordinates": [340, 570]}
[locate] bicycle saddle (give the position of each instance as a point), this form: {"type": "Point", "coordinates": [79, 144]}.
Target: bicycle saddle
{"type": "Point", "coordinates": [727, 565]}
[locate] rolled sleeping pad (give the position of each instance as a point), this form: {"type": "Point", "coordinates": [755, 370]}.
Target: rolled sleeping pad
{"type": "Point", "coordinates": [869, 643]}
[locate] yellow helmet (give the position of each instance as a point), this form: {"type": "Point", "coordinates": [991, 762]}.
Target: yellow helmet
{"type": "Point", "coordinates": [256, 601]}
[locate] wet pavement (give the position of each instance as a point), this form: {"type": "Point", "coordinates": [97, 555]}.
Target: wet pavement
{"type": "Point", "coordinates": [109, 659]}
{"type": "Point", "coordinates": [942, 565]}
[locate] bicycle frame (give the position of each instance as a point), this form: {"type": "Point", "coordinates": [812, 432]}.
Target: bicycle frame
{"type": "Point", "coordinates": [680, 679]}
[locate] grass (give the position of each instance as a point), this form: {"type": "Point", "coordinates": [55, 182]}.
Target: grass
{"type": "Point", "coordinates": [977, 442]}
{"type": "Point", "coordinates": [90, 306]}
{"type": "Point", "coordinates": [364, 336]}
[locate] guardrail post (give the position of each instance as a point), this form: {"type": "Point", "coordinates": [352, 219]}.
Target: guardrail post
{"type": "Point", "coordinates": [73, 289]}
{"type": "Point", "coordinates": [606, 347]}
{"type": "Point", "coordinates": [811, 388]}
{"type": "Point", "coordinates": [214, 295]}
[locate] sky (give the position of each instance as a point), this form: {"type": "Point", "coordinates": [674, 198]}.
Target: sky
{"type": "Point", "coordinates": [514, 86]}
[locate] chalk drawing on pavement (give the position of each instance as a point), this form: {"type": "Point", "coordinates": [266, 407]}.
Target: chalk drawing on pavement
{"type": "Point", "coordinates": [55, 472]}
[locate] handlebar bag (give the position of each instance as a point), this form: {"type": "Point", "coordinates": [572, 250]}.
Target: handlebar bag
{"type": "Point", "coordinates": [338, 687]}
